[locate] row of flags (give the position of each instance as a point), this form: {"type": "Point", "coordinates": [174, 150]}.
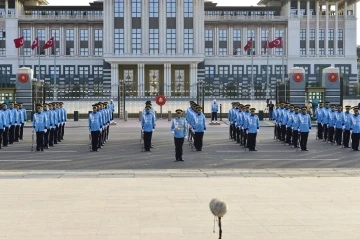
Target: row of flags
{"type": "Point", "coordinates": [278, 42]}
{"type": "Point", "coordinates": [19, 42]}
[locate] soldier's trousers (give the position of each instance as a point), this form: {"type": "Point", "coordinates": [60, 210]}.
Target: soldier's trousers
{"type": "Point", "coordinates": [179, 142]}
{"type": "Point", "coordinates": [11, 134]}
{"type": "Point", "coordinates": [251, 141]}
{"type": "Point", "coordinates": [95, 140]}
{"type": "Point", "coordinates": [39, 140]}
{"type": "Point", "coordinates": [234, 132]}
{"type": "Point", "coordinates": [55, 134]}
{"type": "Point", "coordinates": [1, 137]}
{"type": "Point", "coordinates": [245, 137]}
{"type": "Point", "coordinates": [46, 138]}
{"type": "Point", "coordinates": [59, 132]}
{"type": "Point", "coordinates": [100, 143]}
{"type": "Point", "coordinates": [6, 136]}
{"type": "Point", "coordinates": [198, 140]}
{"type": "Point", "coordinates": [295, 138]}
{"type": "Point", "coordinates": [346, 138]}
{"type": "Point", "coordinates": [355, 141]}
{"type": "Point", "coordinates": [237, 134]}
{"type": "Point", "coordinates": [283, 132]}
{"type": "Point", "coordinates": [51, 137]}
{"type": "Point", "coordinates": [331, 132]}
{"type": "Point", "coordinates": [241, 136]}
{"type": "Point", "coordinates": [21, 133]}
{"type": "Point", "coordinates": [231, 131]}
{"type": "Point", "coordinates": [326, 132]}
{"type": "Point", "coordinates": [288, 135]}
{"type": "Point", "coordinates": [17, 133]}
{"type": "Point", "coordinates": [107, 132]}
{"type": "Point", "coordinates": [303, 140]}
{"type": "Point", "coordinates": [338, 136]}
{"type": "Point", "coordinates": [278, 131]}
{"type": "Point", "coordinates": [62, 131]}
{"type": "Point", "coordinates": [320, 131]}
{"type": "Point", "coordinates": [147, 140]}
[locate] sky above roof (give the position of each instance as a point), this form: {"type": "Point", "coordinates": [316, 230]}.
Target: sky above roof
{"type": "Point", "coordinates": [220, 3]}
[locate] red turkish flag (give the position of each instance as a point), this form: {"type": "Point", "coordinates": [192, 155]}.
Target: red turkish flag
{"type": "Point", "coordinates": [49, 43]}
{"type": "Point", "coordinates": [248, 45]}
{"type": "Point", "coordinates": [35, 44]}
{"type": "Point", "coordinates": [19, 42]}
{"type": "Point", "coordinates": [276, 43]}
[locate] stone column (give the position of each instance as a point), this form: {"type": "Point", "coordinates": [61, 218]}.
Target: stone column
{"type": "Point", "coordinates": [167, 79]}
{"type": "Point", "coordinates": [162, 27]}
{"type": "Point", "coordinates": [230, 40]}
{"type": "Point", "coordinates": [141, 79]}
{"type": "Point", "coordinates": [318, 12]}
{"type": "Point", "coordinates": [307, 27]}
{"type": "Point", "coordinates": [114, 80]}
{"type": "Point", "coordinates": [327, 29]}
{"type": "Point", "coordinates": [216, 40]}
{"type": "Point", "coordinates": [193, 79]}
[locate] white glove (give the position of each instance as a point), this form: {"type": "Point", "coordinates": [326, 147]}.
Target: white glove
{"type": "Point", "coordinates": [257, 131]}
{"type": "Point", "coordinates": [100, 129]}
{"type": "Point", "coordinates": [286, 126]}
{"type": "Point", "coordinates": [309, 130]}
{"type": "Point", "coordinates": [153, 130]}
{"type": "Point", "coordinates": [298, 130]}
{"type": "Point", "coordinates": [45, 130]}
{"type": "Point", "coordinates": [186, 137]}
{"type": "Point", "coordinates": [247, 131]}
{"type": "Point", "coordinates": [242, 127]}
{"type": "Point", "coordinates": [350, 131]}
{"type": "Point", "coordinates": [173, 132]}
{"type": "Point", "coordinates": [334, 127]}
{"type": "Point", "coordinates": [343, 127]}
{"type": "Point", "coordinates": [292, 128]}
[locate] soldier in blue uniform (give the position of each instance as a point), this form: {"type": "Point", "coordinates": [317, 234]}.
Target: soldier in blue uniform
{"type": "Point", "coordinates": [304, 128]}
{"type": "Point", "coordinates": [17, 123]}
{"type": "Point", "coordinates": [325, 120]}
{"type": "Point", "coordinates": [112, 110]}
{"type": "Point", "coordinates": [56, 122]}
{"type": "Point", "coordinates": [64, 119]}
{"type": "Point", "coordinates": [178, 129]}
{"type": "Point", "coordinates": [295, 124]}
{"type": "Point", "coordinates": [319, 114]}
{"type": "Point", "coordinates": [95, 124]}
{"type": "Point", "coordinates": [47, 113]}
{"type": "Point", "coordinates": [23, 119]}
{"type": "Point", "coordinates": [7, 115]}
{"type": "Point", "coordinates": [347, 123]}
{"type": "Point", "coordinates": [331, 124]}
{"type": "Point", "coordinates": [230, 117]}
{"type": "Point", "coordinates": [13, 119]}
{"type": "Point", "coordinates": [355, 129]}
{"type": "Point", "coordinates": [148, 126]}
{"type": "Point", "coordinates": [52, 128]}
{"type": "Point", "coordinates": [252, 129]}
{"type": "Point", "coordinates": [214, 111]}
{"type": "Point", "coordinates": [289, 125]}
{"type": "Point", "coordinates": [199, 128]}
{"type": "Point", "coordinates": [2, 127]}
{"type": "Point", "coordinates": [339, 124]}
{"type": "Point", "coordinates": [39, 125]}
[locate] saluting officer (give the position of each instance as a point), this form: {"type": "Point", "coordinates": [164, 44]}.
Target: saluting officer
{"type": "Point", "coordinates": [95, 122]}
{"type": "Point", "coordinates": [23, 119]}
{"type": "Point", "coordinates": [39, 125]}
{"type": "Point", "coordinates": [355, 129]}
{"type": "Point", "coordinates": [199, 128]}
{"type": "Point", "coordinates": [347, 122]}
{"type": "Point", "coordinates": [7, 114]}
{"type": "Point", "coordinates": [319, 114]}
{"type": "Point", "coordinates": [339, 125]}
{"type": "Point", "coordinates": [2, 126]}
{"type": "Point", "coordinates": [178, 129]}
{"type": "Point", "coordinates": [148, 126]}
{"type": "Point", "coordinates": [252, 129]}
{"type": "Point", "coordinates": [304, 128]}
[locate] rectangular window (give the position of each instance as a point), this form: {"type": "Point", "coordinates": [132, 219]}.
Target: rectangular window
{"type": "Point", "coordinates": [188, 41]}
{"type": "Point", "coordinates": [321, 34]}
{"type": "Point", "coordinates": [98, 34]}
{"type": "Point", "coordinates": [119, 41]}
{"type": "Point", "coordinates": [154, 8]}
{"type": "Point", "coordinates": [26, 34]}
{"type": "Point", "coordinates": [321, 51]}
{"type": "Point", "coordinates": [188, 8]}
{"type": "Point", "coordinates": [154, 41]}
{"type": "Point", "coordinates": [251, 35]}
{"type": "Point", "coordinates": [302, 42]}
{"type": "Point", "coordinates": [279, 69]}
{"type": "Point", "coordinates": [136, 41]}
{"type": "Point", "coordinates": [238, 70]}
{"type": "Point", "coordinates": [2, 52]}
{"type": "Point", "coordinates": [136, 8]}
{"type": "Point", "coordinates": [69, 34]}
{"type": "Point", "coordinates": [51, 69]}
{"type": "Point", "coordinates": [302, 34]}
{"type": "Point", "coordinates": [171, 41]}
{"type": "Point", "coordinates": [56, 34]}
{"type": "Point", "coordinates": [119, 8]}
{"type": "Point", "coordinates": [264, 39]}
{"type": "Point", "coordinates": [222, 51]}
{"type": "Point", "coordinates": [223, 70]}
{"type": "Point", "coordinates": [312, 34]}
{"type": "Point", "coordinates": [237, 42]}
{"type": "Point", "coordinates": [340, 42]}
{"type": "Point", "coordinates": [69, 72]}
{"type": "Point", "coordinates": [209, 51]}
{"type": "Point", "coordinates": [279, 51]}
{"type": "Point", "coordinates": [303, 51]}
{"type": "Point", "coordinates": [2, 34]}
{"type": "Point", "coordinates": [170, 8]}
{"type": "Point", "coordinates": [40, 33]}
{"type": "Point", "coordinates": [251, 70]}
{"type": "Point", "coordinates": [263, 69]}
{"type": "Point", "coordinates": [236, 35]}
{"type": "Point", "coordinates": [340, 34]}
{"type": "Point", "coordinates": [210, 70]}
{"type": "Point", "coordinates": [208, 35]}
{"type": "Point", "coordinates": [98, 51]}
{"type": "Point", "coordinates": [84, 35]}
{"type": "Point", "coordinates": [222, 35]}
{"type": "Point", "coordinates": [84, 51]}
{"type": "Point", "coordinates": [330, 34]}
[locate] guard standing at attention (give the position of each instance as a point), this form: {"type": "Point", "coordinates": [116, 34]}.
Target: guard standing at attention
{"type": "Point", "coordinates": [347, 122]}
{"type": "Point", "coordinates": [95, 124]}
{"type": "Point", "coordinates": [148, 126]}
{"type": "Point", "coordinates": [7, 114]}
{"type": "Point", "coordinates": [319, 114]}
{"type": "Point", "coordinates": [13, 117]}
{"type": "Point", "coordinates": [355, 129]}
{"type": "Point", "coordinates": [178, 129]}
{"type": "Point", "coordinates": [23, 119]}
{"type": "Point", "coordinates": [47, 113]}
{"type": "Point", "coordinates": [17, 123]}
{"type": "Point", "coordinates": [325, 120]}
{"type": "Point", "coordinates": [214, 111]}
{"type": "Point", "coordinates": [39, 125]}
{"type": "Point", "coordinates": [295, 124]}
{"type": "Point", "coordinates": [339, 125]}
{"type": "Point", "coordinates": [64, 119]}
{"type": "Point", "coordinates": [199, 128]}
{"type": "Point", "coordinates": [112, 110]}
{"type": "Point", "coordinates": [304, 128]}
{"type": "Point", "coordinates": [2, 127]}
{"type": "Point", "coordinates": [331, 124]}
{"type": "Point", "coordinates": [52, 125]}
{"type": "Point", "coordinates": [253, 128]}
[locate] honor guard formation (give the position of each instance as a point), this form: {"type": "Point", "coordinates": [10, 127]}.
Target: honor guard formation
{"type": "Point", "coordinates": [244, 125]}
{"type": "Point", "coordinates": [12, 122]}
{"type": "Point", "coordinates": [99, 125]}
{"type": "Point", "coordinates": [49, 125]}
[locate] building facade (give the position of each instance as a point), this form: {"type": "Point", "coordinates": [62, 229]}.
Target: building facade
{"type": "Point", "coordinates": [171, 46]}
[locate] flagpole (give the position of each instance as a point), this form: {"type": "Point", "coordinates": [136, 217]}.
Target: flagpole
{"type": "Point", "coordinates": [23, 57]}
{"type": "Point", "coordinates": [267, 68]}
{"type": "Point", "coordinates": [252, 66]}
{"type": "Point", "coordinates": [55, 86]}
{"type": "Point", "coordinates": [39, 76]}
{"type": "Point", "coordinates": [283, 68]}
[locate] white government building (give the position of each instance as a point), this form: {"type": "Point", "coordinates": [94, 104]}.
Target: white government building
{"type": "Point", "coordinates": [169, 46]}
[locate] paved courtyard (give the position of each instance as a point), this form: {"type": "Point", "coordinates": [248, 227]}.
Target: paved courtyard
{"type": "Point", "coordinates": [123, 151]}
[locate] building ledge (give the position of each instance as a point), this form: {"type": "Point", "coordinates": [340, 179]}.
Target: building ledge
{"type": "Point", "coordinates": [154, 59]}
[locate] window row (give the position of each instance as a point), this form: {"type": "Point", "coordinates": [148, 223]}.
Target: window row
{"type": "Point", "coordinates": [242, 13]}
{"type": "Point", "coordinates": [69, 51]}
{"type": "Point", "coordinates": [321, 51]}
{"type": "Point", "coordinates": [242, 69]}
{"type": "Point", "coordinates": [63, 13]}
{"type": "Point", "coordinates": [69, 34]}
{"type": "Point", "coordinates": [68, 70]}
